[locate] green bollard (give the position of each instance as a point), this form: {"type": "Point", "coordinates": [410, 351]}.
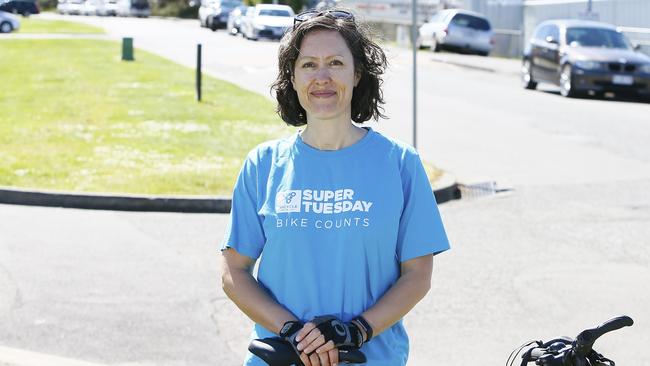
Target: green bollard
{"type": "Point", "coordinates": [127, 49]}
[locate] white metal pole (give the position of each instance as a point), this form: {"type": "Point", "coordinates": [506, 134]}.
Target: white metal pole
{"type": "Point", "coordinates": [414, 30]}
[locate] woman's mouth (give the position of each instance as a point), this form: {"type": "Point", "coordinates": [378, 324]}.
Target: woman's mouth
{"type": "Point", "coordinates": [323, 93]}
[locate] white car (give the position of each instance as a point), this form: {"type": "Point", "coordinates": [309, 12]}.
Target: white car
{"type": "Point", "coordinates": [8, 22]}
{"type": "Point", "coordinates": [75, 7]}
{"type": "Point", "coordinates": [457, 30]}
{"type": "Point", "coordinates": [62, 7]}
{"type": "Point", "coordinates": [107, 7]}
{"type": "Point", "coordinates": [267, 21]}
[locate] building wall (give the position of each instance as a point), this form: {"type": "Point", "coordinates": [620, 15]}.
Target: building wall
{"type": "Point", "coordinates": [512, 20]}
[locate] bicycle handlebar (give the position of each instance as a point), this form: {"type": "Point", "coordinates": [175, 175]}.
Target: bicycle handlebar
{"type": "Point", "coordinates": [573, 352]}
{"type": "Point", "coordinates": [585, 340]}
{"type": "Point", "coordinates": [278, 352]}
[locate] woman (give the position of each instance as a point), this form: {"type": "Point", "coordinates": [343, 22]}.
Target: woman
{"type": "Point", "coordinates": [344, 218]}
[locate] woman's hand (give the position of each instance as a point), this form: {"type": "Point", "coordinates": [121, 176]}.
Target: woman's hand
{"type": "Point", "coordinates": [314, 350]}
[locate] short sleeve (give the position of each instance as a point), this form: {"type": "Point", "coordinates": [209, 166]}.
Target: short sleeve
{"type": "Point", "coordinates": [421, 231]}
{"type": "Point", "coordinates": [245, 232]}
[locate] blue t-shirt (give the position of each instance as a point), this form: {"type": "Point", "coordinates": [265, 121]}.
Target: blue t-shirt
{"type": "Point", "coordinates": [332, 228]}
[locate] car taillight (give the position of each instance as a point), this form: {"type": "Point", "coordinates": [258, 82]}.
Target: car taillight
{"type": "Point", "coordinates": [445, 32]}
{"type": "Point", "coordinates": [492, 41]}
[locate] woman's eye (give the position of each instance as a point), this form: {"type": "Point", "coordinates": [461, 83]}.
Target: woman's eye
{"type": "Point", "coordinates": [336, 62]}
{"type": "Point", "coordinates": [308, 64]}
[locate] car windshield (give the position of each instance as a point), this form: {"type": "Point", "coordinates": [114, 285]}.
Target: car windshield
{"type": "Point", "coordinates": [470, 21]}
{"type": "Point", "coordinates": [596, 37]}
{"type": "Point", "coordinates": [274, 13]}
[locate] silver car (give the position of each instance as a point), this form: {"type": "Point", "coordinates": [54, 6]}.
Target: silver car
{"type": "Point", "coordinates": [235, 19]}
{"type": "Point", "coordinates": [457, 30]}
{"type": "Point", "coordinates": [585, 57]}
{"type": "Point", "coordinates": [8, 22]}
{"type": "Point", "coordinates": [267, 21]}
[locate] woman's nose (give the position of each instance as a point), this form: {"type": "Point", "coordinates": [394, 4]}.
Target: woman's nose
{"type": "Point", "coordinates": [323, 75]}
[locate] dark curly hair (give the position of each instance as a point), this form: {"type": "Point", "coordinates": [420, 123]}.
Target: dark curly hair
{"type": "Point", "coordinates": [369, 63]}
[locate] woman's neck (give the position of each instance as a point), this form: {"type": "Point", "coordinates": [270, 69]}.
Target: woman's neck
{"type": "Point", "coordinates": [324, 135]}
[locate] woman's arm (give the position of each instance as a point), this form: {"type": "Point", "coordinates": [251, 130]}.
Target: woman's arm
{"type": "Point", "coordinates": [242, 288]}
{"type": "Point", "coordinates": [411, 287]}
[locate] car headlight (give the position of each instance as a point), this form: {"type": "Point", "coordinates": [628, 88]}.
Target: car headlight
{"type": "Point", "coordinates": [259, 26]}
{"type": "Point", "coordinates": [588, 65]}
{"type": "Point", "coordinates": [645, 69]}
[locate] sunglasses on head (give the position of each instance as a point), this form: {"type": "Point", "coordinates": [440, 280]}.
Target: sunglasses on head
{"type": "Point", "coordinates": [336, 14]}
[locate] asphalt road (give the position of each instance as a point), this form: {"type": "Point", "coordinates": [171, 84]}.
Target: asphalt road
{"type": "Point", "coordinates": [565, 250]}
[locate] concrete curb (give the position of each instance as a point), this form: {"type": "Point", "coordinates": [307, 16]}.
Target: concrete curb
{"type": "Point", "coordinates": [485, 65]}
{"type": "Point", "coordinates": [115, 202]}
{"type": "Point", "coordinates": [446, 189]}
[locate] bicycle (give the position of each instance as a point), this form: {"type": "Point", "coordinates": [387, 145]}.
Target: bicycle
{"type": "Point", "coordinates": [566, 351]}
{"type": "Point", "coordinates": [275, 351]}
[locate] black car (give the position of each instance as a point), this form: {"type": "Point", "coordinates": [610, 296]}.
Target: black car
{"type": "Point", "coordinates": [24, 7]}
{"type": "Point", "coordinates": [585, 57]}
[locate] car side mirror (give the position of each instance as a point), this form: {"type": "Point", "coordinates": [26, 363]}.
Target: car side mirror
{"type": "Point", "coordinates": [552, 40]}
{"type": "Point", "coordinates": [637, 47]}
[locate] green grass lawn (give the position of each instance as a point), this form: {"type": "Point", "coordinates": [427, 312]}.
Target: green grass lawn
{"type": "Point", "coordinates": [34, 25]}
{"type": "Point", "coordinates": [74, 117]}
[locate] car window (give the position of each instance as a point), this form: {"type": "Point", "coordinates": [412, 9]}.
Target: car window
{"type": "Point", "coordinates": [470, 21]}
{"type": "Point", "coordinates": [275, 13]}
{"type": "Point", "coordinates": [596, 37]}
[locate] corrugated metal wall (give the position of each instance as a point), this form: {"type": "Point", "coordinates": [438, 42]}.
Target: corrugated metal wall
{"type": "Point", "coordinates": [514, 20]}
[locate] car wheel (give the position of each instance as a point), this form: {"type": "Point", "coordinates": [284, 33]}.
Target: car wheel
{"type": "Point", "coordinates": [527, 75]}
{"type": "Point", "coordinates": [566, 82]}
{"type": "Point", "coordinates": [213, 26]}
{"type": "Point", "coordinates": [26, 14]}
{"type": "Point", "coordinates": [6, 27]}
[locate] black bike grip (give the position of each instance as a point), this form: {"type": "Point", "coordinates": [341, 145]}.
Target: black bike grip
{"type": "Point", "coordinates": [274, 351]}
{"type": "Point", "coordinates": [585, 340]}
{"type": "Point", "coordinates": [278, 352]}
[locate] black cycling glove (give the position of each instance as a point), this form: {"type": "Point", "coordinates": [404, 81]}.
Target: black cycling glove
{"type": "Point", "coordinates": [289, 332]}
{"type": "Point", "coordinates": [335, 330]}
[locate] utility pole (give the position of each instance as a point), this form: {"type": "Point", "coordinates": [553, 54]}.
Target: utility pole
{"type": "Point", "coordinates": [414, 35]}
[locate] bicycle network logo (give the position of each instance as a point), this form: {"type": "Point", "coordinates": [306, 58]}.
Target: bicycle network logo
{"type": "Point", "coordinates": [288, 201]}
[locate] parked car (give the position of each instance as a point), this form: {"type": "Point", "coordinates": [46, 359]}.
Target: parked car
{"type": "Point", "coordinates": [74, 7]}
{"type": "Point", "coordinates": [457, 30]}
{"type": "Point", "coordinates": [62, 6]}
{"type": "Point", "coordinates": [268, 21]}
{"type": "Point", "coordinates": [23, 7]}
{"type": "Point", "coordinates": [8, 22]}
{"type": "Point", "coordinates": [133, 8]}
{"type": "Point", "coordinates": [109, 7]}
{"type": "Point", "coordinates": [233, 25]}
{"type": "Point", "coordinates": [584, 57]}
{"type": "Point", "coordinates": [214, 13]}
{"type": "Point", "coordinates": [91, 7]}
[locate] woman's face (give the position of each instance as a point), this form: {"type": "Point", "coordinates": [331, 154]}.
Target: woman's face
{"type": "Point", "coordinates": [324, 76]}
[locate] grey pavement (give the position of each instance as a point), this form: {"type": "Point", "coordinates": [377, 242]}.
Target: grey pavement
{"type": "Point", "coordinates": [119, 288]}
